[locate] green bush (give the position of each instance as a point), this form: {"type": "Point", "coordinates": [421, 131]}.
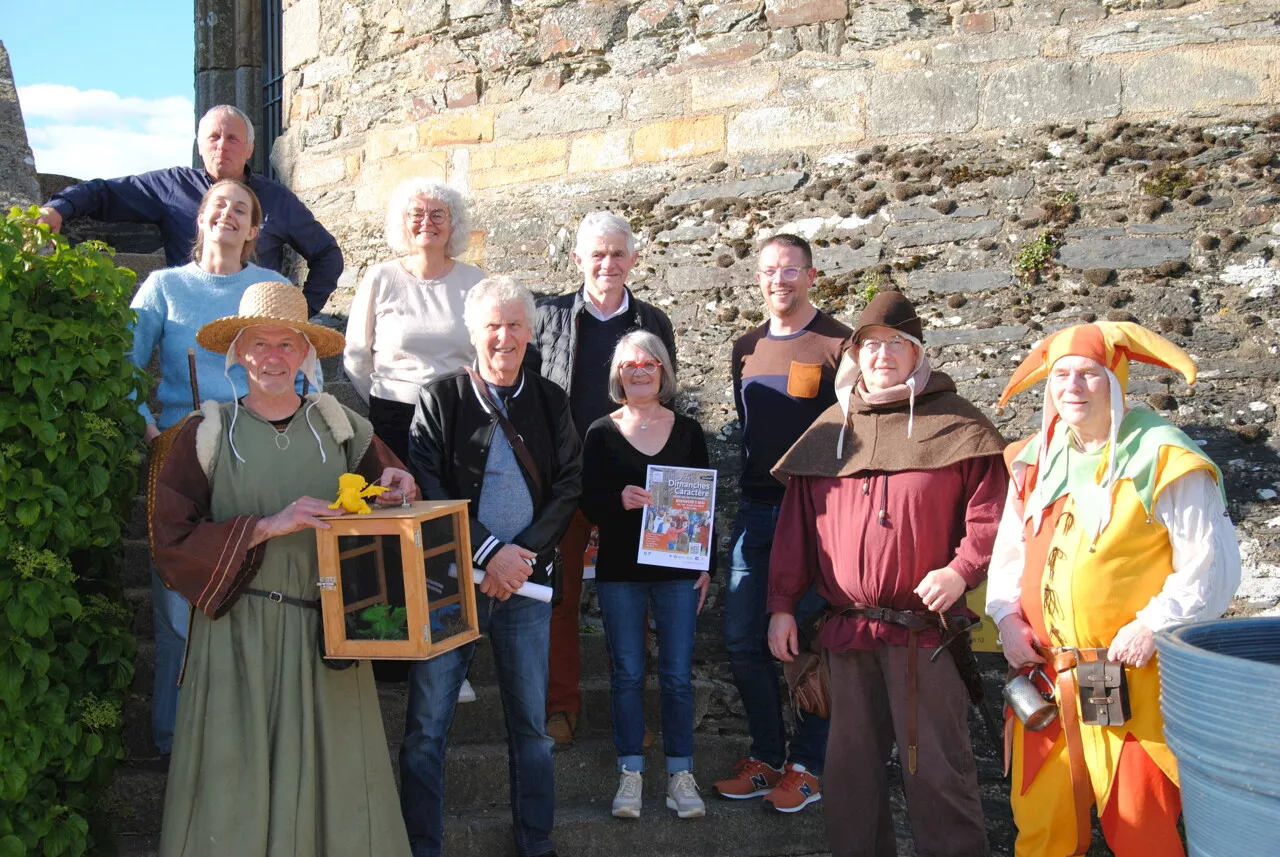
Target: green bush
{"type": "Point", "coordinates": [69, 454]}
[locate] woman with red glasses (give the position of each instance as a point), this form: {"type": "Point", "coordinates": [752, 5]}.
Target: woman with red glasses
{"type": "Point", "coordinates": [617, 451]}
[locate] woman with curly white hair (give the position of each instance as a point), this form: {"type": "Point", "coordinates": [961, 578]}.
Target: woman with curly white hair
{"type": "Point", "coordinates": [405, 327]}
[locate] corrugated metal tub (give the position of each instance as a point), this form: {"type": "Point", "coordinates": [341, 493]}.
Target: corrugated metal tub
{"type": "Point", "coordinates": [1220, 694]}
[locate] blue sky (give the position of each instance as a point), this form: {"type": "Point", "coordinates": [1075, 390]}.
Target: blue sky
{"type": "Point", "coordinates": [106, 86]}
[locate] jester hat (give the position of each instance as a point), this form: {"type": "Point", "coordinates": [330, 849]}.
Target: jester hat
{"type": "Point", "coordinates": [1113, 344]}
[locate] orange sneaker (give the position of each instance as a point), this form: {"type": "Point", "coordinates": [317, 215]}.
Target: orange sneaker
{"type": "Point", "coordinates": [797, 789]}
{"type": "Point", "coordinates": [751, 778]}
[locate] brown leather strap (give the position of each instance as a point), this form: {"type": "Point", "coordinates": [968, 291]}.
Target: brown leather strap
{"type": "Point", "coordinates": [195, 384]}
{"type": "Point", "coordinates": [1065, 662]}
{"type": "Point", "coordinates": [513, 436]}
{"type": "Point", "coordinates": [926, 621]}
{"type": "Point", "coordinates": [913, 736]}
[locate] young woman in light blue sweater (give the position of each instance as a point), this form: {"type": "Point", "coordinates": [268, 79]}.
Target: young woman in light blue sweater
{"type": "Point", "coordinates": [172, 305]}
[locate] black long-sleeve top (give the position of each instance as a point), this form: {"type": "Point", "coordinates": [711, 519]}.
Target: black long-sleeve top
{"type": "Point", "coordinates": [609, 464]}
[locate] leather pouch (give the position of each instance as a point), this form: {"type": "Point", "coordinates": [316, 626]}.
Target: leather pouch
{"type": "Point", "coordinates": [807, 680]}
{"type": "Point", "coordinates": [1104, 693]}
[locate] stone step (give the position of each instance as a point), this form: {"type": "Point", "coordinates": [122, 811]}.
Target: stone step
{"type": "Point", "coordinates": [479, 722]}
{"type": "Point", "coordinates": [730, 829]}
{"type": "Point", "coordinates": [141, 264]}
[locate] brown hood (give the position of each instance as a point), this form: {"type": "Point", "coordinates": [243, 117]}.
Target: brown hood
{"type": "Point", "coordinates": [948, 429]}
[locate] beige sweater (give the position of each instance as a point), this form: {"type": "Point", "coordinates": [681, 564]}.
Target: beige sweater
{"type": "Point", "coordinates": [402, 332]}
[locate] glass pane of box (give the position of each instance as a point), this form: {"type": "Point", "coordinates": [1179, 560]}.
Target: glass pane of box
{"type": "Point", "coordinates": [437, 532]}
{"type": "Point", "coordinates": [444, 598]}
{"type": "Point", "coordinates": [368, 564]}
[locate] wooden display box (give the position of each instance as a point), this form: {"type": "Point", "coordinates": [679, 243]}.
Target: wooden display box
{"type": "Point", "coordinates": [365, 562]}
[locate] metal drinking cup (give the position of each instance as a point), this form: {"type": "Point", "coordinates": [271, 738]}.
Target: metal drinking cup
{"type": "Point", "coordinates": [1031, 705]}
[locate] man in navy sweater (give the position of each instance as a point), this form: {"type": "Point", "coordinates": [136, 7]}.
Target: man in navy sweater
{"type": "Point", "coordinates": [169, 198]}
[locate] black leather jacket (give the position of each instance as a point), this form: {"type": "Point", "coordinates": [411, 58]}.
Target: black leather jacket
{"type": "Point", "coordinates": [555, 334]}
{"type": "Point", "coordinates": [449, 447]}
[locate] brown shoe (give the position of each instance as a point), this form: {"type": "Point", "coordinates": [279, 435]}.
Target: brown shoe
{"type": "Point", "coordinates": [560, 726]}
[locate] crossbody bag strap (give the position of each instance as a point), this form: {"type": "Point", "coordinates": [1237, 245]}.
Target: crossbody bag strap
{"type": "Point", "coordinates": [513, 436]}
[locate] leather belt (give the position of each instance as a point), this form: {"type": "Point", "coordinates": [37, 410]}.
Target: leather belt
{"type": "Point", "coordinates": [1064, 662]}
{"type": "Point", "coordinates": [281, 598]}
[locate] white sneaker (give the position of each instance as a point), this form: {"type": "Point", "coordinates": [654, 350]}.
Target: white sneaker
{"type": "Point", "coordinates": [466, 693]}
{"type": "Point", "coordinates": [683, 797]}
{"type": "Point", "coordinates": [626, 803]}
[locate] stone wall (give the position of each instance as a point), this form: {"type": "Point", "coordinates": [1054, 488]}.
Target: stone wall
{"type": "Point", "coordinates": [228, 61]}
{"type": "Point", "coordinates": [1013, 166]}
{"type": "Point", "coordinates": [17, 165]}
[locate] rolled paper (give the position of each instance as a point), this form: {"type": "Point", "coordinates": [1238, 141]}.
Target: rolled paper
{"type": "Point", "coordinates": [536, 591]}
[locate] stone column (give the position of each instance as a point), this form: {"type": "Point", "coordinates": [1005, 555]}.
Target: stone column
{"type": "Point", "coordinates": [18, 184]}
{"type": "Point", "coordinates": [229, 61]}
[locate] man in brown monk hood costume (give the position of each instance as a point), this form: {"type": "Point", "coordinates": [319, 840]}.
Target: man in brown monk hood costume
{"type": "Point", "coordinates": [893, 499]}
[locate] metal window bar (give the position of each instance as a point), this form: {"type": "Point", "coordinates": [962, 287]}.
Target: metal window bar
{"type": "Point", "coordinates": [272, 81]}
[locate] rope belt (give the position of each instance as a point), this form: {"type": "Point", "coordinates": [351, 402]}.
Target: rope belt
{"type": "Point", "coordinates": [1064, 662]}
{"type": "Point", "coordinates": [914, 621]}
{"type": "Point", "coordinates": [281, 598]}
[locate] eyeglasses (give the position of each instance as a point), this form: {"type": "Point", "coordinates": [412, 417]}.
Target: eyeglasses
{"type": "Point", "coordinates": [895, 345]}
{"type": "Point", "coordinates": [416, 215]}
{"type": "Point", "coordinates": [648, 367]}
{"type": "Point", "coordinates": [787, 275]}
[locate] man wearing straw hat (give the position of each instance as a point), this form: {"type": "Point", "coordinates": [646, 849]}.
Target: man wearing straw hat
{"type": "Point", "coordinates": [1115, 528]}
{"type": "Point", "coordinates": [272, 750]}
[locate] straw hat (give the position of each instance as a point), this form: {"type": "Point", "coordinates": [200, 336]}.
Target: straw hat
{"type": "Point", "coordinates": [270, 303]}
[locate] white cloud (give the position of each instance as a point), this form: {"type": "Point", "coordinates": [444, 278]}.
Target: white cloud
{"type": "Point", "coordinates": [99, 134]}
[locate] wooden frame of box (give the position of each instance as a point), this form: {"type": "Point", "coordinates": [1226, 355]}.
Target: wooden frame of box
{"type": "Point", "coordinates": [406, 522]}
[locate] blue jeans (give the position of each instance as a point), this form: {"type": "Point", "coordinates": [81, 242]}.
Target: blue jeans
{"type": "Point", "coordinates": [746, 638]}
{"type": "Point", "coordinates": [170, 616]}
{"type": "Point", "coordinates": [519, 631]}
{"type": "Point", "coordinates": [624, 607]}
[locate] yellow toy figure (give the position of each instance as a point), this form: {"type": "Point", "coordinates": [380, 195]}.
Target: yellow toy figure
{"type": "Point", "coordinates": [351, 493]}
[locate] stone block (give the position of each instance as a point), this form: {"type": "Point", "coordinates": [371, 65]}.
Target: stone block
{"type": "Point", "coordinates": [1050, 91]}
{"type": "Point", "coordinates": [574, 108]}
{"type": "Point", "coordinates": [721, 17]}
{"type": "Point", "coordinates": [378, 180]}
{"type": "Point", "coordinates": [923, 101]}
{"type": "Point", "coordinates": [839, 85]}
{"type": "Point", "coordinates": [940, 232]}
{"type": "Point", "coordinates": [519, 154]}
{"type": "Point", "coordinates": [836, 259]}
{"type": "Point", "coordinates": [717, 88]}
{"type": "Point", "coordinates": [965, 282]}
{"type": "Point", "coordinates": [747, 189]}
{"type": "Point", "coordinates": [942, 337]}
{"type": "Point", "coordinates": [322, 129]}
{"type": "Point", "coordinates": [640, 57]}
{"type": "Point", "coordinates": [718, 50]}
{"type": "Point", "coordinates": [655, 15]}
{"type": "Point", "coordinates": [1139, 36]}
{"type": "Point", "coordinates": [696, 278]}
{"type": "Point", "coordinates": [442, 59]}
{"type": "Point", "coordinates": [1118, 253]}
{"type": "Point", "coordinates": [787, 127]}
{"type": "Point", "coordinates": [452, 129]}
{"type": "Point", "coordinates": [326, 69]}
{"type": "Point", "coordinates": [318, 172]}
{"type": "Point", "coordinates": [500, 176]}
{"type": "Point", "coordinates": [462, 91]}
{"type": "Point", "coordinates": [796, 13]}
{"type": "Point", "coordinates": [387, 142]}
{"type": "Point", "coordinates": [1195, 79]}
{"type": "Point", "coordinates": [976, 23]}
{"type": "Point", "coordinates": [578, 28]}
{"type": "Point", "coordinates": [500, 49]}
{"type": "Point", "coordinates": [300, 34]}
{"type": "Point", "coordinates": [1011, 46]}
{"type": "Point", "coordinates": [656, 99]}
{"type": "Point", "coordinates": [680, 138]}
{"type": "Point", "coordinates": [607, 150]}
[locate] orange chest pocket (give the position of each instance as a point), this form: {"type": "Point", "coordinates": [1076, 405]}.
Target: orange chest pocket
{"type": "Point", "coordinates": [804, 379]}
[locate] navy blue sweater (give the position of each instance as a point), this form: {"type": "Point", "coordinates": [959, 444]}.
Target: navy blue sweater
{"type": "Point", "coordinates": [170, 198]}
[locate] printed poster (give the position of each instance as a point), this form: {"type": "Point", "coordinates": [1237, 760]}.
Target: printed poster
{"type": "Point", "coordinates": [676, 528]}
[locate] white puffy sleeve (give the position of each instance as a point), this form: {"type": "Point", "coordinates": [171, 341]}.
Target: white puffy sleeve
{"type": "Point", "coordinates": [1206, 554]}
{"type": "Point", "coordinates": [1008, 556]}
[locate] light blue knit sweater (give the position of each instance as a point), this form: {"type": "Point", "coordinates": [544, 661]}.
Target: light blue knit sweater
{"type": "Point", "coordinates": [172, 305]}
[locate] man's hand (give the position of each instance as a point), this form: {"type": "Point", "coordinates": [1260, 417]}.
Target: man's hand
{"type": "Point", "coordinates": [403, 488]}
{"type": "Point", "coordinates": [150, 433]}
{"type": "Point", "coordinates": [941, 588]}
{"type": "Point", "coordinates": [301, 514]}
{"type": "Point", "coordinates": [1134, 644]}
{"type": "Point", "coordinates": [784, 638]}
{"type": "Point", "coordinates": [1016, 638]}
{"type": "Point", "coordinates": [701, 584]}
{"type": "Point", "coordinates": [633, 497]}
{"type": "Point", "coordinates": [507, 571]}
{"type": "Point", "coordinates": [50, 217]}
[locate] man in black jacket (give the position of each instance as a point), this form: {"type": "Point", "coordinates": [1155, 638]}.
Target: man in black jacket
{"type": "Point", "coordinates": [523, 488]}
{"type": "Point", "coordinates": [574, 338]}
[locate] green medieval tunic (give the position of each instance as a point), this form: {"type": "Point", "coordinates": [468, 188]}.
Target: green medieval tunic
{"type": "Point", "coordinates": [275, 754]}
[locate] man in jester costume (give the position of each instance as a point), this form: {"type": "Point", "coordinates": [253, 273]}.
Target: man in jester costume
{"type": "Point", "coordinates": [1115, 528]}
